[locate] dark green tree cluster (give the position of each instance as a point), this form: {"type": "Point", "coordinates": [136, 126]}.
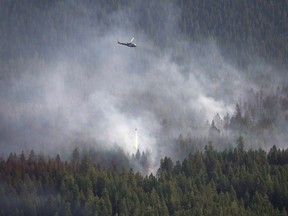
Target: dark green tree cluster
{"type": "Point", "coordinates": [231, 182]}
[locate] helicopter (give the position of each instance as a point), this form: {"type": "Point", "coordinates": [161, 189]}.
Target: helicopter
{"type": "Point", "coordinates": [129, 44]}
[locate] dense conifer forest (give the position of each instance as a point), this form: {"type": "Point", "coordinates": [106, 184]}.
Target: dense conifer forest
{"type": "Point", "coordinates": [56, 92]}
{"type": "Point", "coordinates": [230, 182]}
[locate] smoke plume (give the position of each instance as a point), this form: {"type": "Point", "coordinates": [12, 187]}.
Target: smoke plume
{"type": "Point", "coordinates": [85, 89]}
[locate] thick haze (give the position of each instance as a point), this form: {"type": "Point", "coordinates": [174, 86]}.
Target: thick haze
{"type": "Point", "coordinates": [88, 90]}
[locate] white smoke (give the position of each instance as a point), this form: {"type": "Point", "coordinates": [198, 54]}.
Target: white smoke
{"type": "Point", "coordinates": [94, 90]}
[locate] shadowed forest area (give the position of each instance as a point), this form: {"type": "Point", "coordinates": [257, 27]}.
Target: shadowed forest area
{"type": "Point", "coordinates": [206, 89]}
{"type": "Point", "coordinates": [243, 29]}
{"type": "Point", "coordinates": [230, 182]}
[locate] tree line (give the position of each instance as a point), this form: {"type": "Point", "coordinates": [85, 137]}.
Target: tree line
{"type": "Point", "coordinates": [234, 181]}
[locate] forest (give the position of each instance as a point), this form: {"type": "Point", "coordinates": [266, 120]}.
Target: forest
{"type": "Point", "coordinates": [230, 182]}
{"type": "Point", "coordinates": [243, 29]}
{"type": "Point", "coordinates": [70, 99]}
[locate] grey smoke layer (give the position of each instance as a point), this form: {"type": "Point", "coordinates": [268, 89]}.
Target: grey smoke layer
{"type": "Point", "coordinates": [90, 91]}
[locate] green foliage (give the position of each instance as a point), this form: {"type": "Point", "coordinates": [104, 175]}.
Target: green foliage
{"type": "Point", "coordinates": [231, 182]}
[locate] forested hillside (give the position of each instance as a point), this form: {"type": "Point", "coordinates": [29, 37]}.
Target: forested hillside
{"type": "Point", "coordinates": [243, 29]}
{"type": "Point", "coordinates": [231, 182]}
{"type": "Point", "coordinates": [240, 27]}
{"type": "Point", "coordinates": [192, 121]}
